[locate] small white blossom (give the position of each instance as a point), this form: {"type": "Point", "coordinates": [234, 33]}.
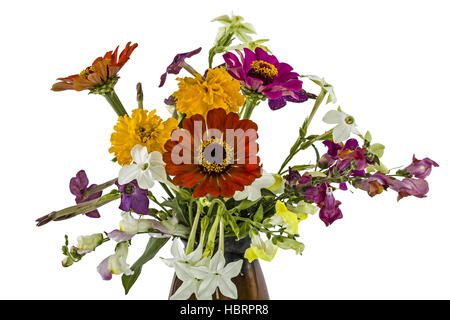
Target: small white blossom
{"type": "Point", "coordinates": [116, 263]}
{"type": "Point", "coordinates": [146, 168]}
{"type": "Point", "coordinates": [345, 125]}
{"type": "Point", "coordinates": [253, 191]}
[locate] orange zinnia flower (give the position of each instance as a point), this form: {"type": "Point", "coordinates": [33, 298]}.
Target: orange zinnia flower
{"type": "Point", "coordinates": [102, 75]}
{"type": "Point", "coordinates": [214, 162]}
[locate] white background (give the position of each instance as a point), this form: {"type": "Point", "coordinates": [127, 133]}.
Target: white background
{"type": "Point", "coordinates": [388, 61]}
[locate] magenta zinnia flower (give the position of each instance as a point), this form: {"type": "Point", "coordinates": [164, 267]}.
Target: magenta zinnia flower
{"type": "Point", "coordinates": [262, 73]}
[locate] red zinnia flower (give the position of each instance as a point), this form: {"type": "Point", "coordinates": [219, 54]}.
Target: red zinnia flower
{"type": "Point", "coordinates": [102, 72]}
{"type": "Point", "coordinates": [216, 158]}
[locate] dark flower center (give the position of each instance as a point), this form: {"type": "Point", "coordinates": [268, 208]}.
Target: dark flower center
{"type": "Point", "coordinates": [215, 156]}
{"type": "Point", "coordinates": [129, 189]}
{"type": "Point", "coordinates": [263, 70]}
{"type": "Point", "coordinates": [144, 134]}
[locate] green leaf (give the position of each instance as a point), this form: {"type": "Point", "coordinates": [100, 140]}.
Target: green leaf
{"type": "Point", "coordinates": [368, 136]}
{"type": "Point", "coordinates": [153, 246]}
{"type": "Point", "coordinates": [303, 167]}
{"type": "Point", "coordinates": [259, 214]}
{"type": "Point", "coordinates": [232, 223]}
{"type": "Point", "coordinates": [377, 149]}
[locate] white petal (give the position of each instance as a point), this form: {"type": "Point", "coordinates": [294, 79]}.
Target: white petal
{"type": "Point", "coordinates": [145, 180]}
{"type": "Point", "coordinates": [217, 262]}
{"type": "Point", "coordinates": [139, 154]}
{"type": "Point", "coordinates": [232, 269]}
{"type": "Point", "coordinates": [240, 195]}
{"type": "Point", "coordinates": [184, 271]}
{"type": "Point", "coordinates": [128, 174]}
{"type": "Point", "coordinates": [227, 288]}
{"type": "Point", "coordinates": [177, 250]}
{"type": "Point", "coordinates": [254, 194]}
{"type": "Point", "coordinates": [208, 286]}
{"type": "Point", "coordinates": [158, 173]}
{"type": "Point", "coordinates": [334, 117]}
{"type": "Point", "coordinates": [185, 290]}
{"type": "Point", "coordinates": [156, 158]}
{"type": "Point", "coordinates": [341, 132]}
{"type": "Point", "coordinates": [355, 131]}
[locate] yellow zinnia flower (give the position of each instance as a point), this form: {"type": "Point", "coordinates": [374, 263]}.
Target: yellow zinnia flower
{"type": "Point", "coordinates": [217, 90]}
{"type": "Point", "coordinates": [144, 128]}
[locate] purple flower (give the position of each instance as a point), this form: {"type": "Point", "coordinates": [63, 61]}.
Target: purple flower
{"type": "Point", "coordinates": [292, 177]}
{"type": "Point", "coordinates": [421, 168]}
{"type": "Point", "coordinates": [375, 184]}
{"type": "Point", "coordinates": [133, 198]}
{"type": "Point", "coordinates": [316, 194]}
{"type": "Point", "coordinates": [175, 67]}
{"type": "Point", "coordinates": [410, 187]}
{"type": "Point", "coordinates": [329, 209]}
{"type": "Point", "coordinates": [280, 102]}
{"type": "Point", "coordinates": [262, 73]}
{"type": "Point", "coordinates": [79, 186]}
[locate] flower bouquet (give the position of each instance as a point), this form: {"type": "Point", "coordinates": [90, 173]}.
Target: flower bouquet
{"type": "Point", "coordinates": [221, 207]}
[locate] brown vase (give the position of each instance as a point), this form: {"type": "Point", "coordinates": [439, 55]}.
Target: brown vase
{"type": "Point", "coordinates": [250, 282]}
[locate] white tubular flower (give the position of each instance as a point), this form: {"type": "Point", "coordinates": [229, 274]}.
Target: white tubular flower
{"type": "Point", "coordinates": [345, 125]}
{"type": "Point", "coordinates": [253, 191]}
{"type": "Point", "coordinates": [146, 168]}
{"type": "Point", "coordinates": [116, 263]}
{"type": "Point", "coordinates": [130, 226]}
{"type": "Point", "coordinates": [219, 275]}
{"type": "Point", "coordinates": [325, 86]}
{"type": "Point", "coordinates": [88, 244]}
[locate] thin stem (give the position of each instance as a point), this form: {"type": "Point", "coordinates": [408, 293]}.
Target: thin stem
{"type": "Point", "coordinates": [169, 193]}
{"type": "Point", "coordinates": [190, 69]}
{"type": "Point", "coordinates": [115, 102]}
{"type": "Point", "coordinates": [191, 240]}
{"type": "Point", "coordinates": [221, 236]}
{"type": "Point", "coordinates": [99, 188]}
{"type": "Point", "coordinates": [249, 106]}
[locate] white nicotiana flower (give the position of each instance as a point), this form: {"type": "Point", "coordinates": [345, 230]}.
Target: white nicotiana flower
{"type": "Point", "coordinates": [188, 268]}
{"type": "Point", "coordinates": [116, 263]}
{"type": "Point", "coordinates": [219, 275]}
{"type": "Point", "coordinates": [146, 168]}
{"type": "Point", "coordinates": [253, 191]}
{"type": "Point", "coordinates": [345, 125]}
{"type": "Point", "coordinates": [325, 86]}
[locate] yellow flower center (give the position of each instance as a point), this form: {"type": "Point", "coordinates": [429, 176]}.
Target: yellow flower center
{"type": "Point", "coordinates": [263, 70]}
{"type": "Point", "coordinates": [144, 134]}
{"type": "Point", "coordinates": [86, 72]}
{"type": "Point", "coordinates": [215, 156]}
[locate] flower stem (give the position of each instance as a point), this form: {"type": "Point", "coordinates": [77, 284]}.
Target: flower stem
{"type": "Point", "coordinates": [303, 130]}
{"type": "Point", "coordinates": [190, 69]}
{"type": "Point", "coordinates": [249, 106]}
{"type": "Point", "coordinates": [221, 236]}
{"type": "Point", "coordinates": [115, 103]}
{"type": "Point", "coordinates": [191, 240]}
{"type": "Point", "coordinates": [212, 234]}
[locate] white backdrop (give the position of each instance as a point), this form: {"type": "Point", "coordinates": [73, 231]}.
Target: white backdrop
{"type": "Point", "coordinates": [387, 60]}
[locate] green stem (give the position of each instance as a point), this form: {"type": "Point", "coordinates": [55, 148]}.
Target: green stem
{"type": "Point", "coordinates": [191, 240]}
{"type": "Point", "coordinates": [115, 102]}
{"type": "Point", "coordinates": [249, 106]}
{"type": "Point", "coordinates": [295, 147]}
{"type": "Point", "coordinates": [139, 96]}
{"type": "Point", "coordinates": [212, 234]}
{"type": "Point", "coordinates": [221, 236]}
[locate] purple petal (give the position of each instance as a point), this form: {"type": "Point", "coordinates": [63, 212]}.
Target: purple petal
{"type": "Point", "coordinates": [104, 269]}
{"type": "Point", "coordinates": [175, 67]}
{"type": "Point", "coordinates": [120, 236]}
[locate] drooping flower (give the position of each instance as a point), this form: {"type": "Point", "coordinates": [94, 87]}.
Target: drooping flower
{"type": "Point", "coordinates": [134, 198]}
{"type": "Point", "coordinates": [199, 95]}
{"type": "Point", "coordinates": [100, 75]}
{"type": "Point", "coordinates": [79, 186]}
{"type": "Point", "coordinates": [130, 226]}
{"type": "Point", "coordinates": [176, 65]}
{"type": "Point", "coordinates": [345, 125]}
{"type": "Point", "coordinates": [421, 168]}
{"type": "Point", "coordinates": [218, 275]}
{"type": "Point", "coordinates": [316, 194]}
{"type": "Point", "coordinates": [116, 263]}
{"type": "Point", "coordinates": [260, 249]}
{"type": "Point", "coordinates": [328, 88]}
{"type": "Point", "coordinates": [410, 187]}
{"type": "Point", "coordinates": [253, 191]}
{"type": "Point", "coordinates": [263, 73]}
{"type": "Point", "coordinates": [145, 169]}
{"type": "Point", "coordinates": [214, 160]}
{"type": "Point", "coordinates": [86, 244]}
{"type": "Point", "coordinates": [144, 128]}
{"type": "Point", "coordinates": [329, 209]}
{"type": "Point", "coordinates": [280, 102]}
{"type": "Point", "coordinates": [375, 184]}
